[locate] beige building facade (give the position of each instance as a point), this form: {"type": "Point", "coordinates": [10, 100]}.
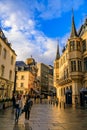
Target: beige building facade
{"type": "Point", "coordinates": [26, 77]}
{"type": "Point", "coordinates": [70, 69]}
{"type": "Point", "coordinates": [7, 67]}
{"type": "Point", "coordinates": [24, 81]}
{"type": "Point", "coordinates": [45, 76]}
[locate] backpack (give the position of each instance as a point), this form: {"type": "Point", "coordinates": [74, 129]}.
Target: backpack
{"type": "Point", "coordinates": [28, 105]}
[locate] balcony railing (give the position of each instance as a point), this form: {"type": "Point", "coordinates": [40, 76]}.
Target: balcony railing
{"type": "Point", "coordinates": [63, 81]}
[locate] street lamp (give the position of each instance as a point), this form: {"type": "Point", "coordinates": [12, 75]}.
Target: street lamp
{"type": "Point", "coordinates": [15, 77]}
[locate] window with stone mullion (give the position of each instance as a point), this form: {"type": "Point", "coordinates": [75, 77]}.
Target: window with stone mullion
{"type": "Point", "coordinates": [73, 66]}
{"type": "Point", "coordinates": [85, 64]}
{"type": "Point", "coordinates": [84, 45]}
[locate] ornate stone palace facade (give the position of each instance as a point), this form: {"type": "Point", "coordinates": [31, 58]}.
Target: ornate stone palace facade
{"type": "Point", "coordinates": [70, 69]}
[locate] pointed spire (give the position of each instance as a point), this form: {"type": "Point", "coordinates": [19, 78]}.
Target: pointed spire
{"type": "Point", "coordinates": [57, 54]}
{"type": "Point", "coordinates": [73, 29]}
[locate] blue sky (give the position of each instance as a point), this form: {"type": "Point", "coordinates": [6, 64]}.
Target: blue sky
{"type": "Point", "coordinates": [34, 27]}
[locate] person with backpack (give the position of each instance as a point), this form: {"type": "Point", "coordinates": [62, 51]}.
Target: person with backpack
{"type": "Point", "coordinates": [27, 107]}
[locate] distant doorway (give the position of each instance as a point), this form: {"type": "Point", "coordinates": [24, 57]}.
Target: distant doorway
{"type": "Point", "coordinates": [68, 96]}
{"type": "Point", "coordinates": [83, 97]}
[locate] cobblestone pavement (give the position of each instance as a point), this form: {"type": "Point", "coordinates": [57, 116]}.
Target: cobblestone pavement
{"type": "Point", "coordinates": [46, 117]}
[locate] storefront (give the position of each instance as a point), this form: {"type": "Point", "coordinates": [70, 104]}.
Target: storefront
{"type": "Point", "coordinates": [83, 97]}
{"type": "Point", "coordinates": [68, 96]}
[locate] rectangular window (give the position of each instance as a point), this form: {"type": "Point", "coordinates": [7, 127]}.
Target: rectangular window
{"type": "Point", "coordinates": [16, 77]}
{"type": "Point", "coordinates": [85, 64]}
{"type": "Point", "coordinates": [12, 59]}
{"type": "Point", "coordinates": [22, 77]}
{"type": "Point", "coordinates": [78, 45]}
{"type": "Point", "coordinates": [4, 53]}
{"type": "Point", "coordinates": [2, 70]}
{"type": "Point", "coordinates": [0, 48]}
{"type": "Point", "coordinates": [10, 75]}
{"type": "Point", "coordinates": [57, 65]}
{"type": "Point", "coordinates": [84, 45]}
{"type": "Point", "coordinates": [72, 46]}
{"type": "Point", "coordinates": [73, 66]}
{"type": "Point", "coordinates": [79, 66]}
{"type": "Point", "coordinates": [67, 75]}
{"type": "Point", "coordinates": [22, 85]}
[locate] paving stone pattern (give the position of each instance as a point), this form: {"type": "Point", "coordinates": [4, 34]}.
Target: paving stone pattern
{"type": "Point", "coordinates": [46, 117]}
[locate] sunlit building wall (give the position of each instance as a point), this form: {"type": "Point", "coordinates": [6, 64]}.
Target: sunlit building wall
{"type": "Point", "coordinates": [70, 69]}
{"type": "Point", "coordinates": [7, 67]}
{"type": "Point", "coordinates": [24, 81]}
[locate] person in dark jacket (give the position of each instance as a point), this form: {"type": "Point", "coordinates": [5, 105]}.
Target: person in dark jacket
{"type": "Point", "coordinates": [27, 107]}
{"type": "Point", "coordinates": [13, 102]}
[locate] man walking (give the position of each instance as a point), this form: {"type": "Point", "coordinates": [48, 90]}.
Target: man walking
{"type": "Point", "coordinates": [27, 107]}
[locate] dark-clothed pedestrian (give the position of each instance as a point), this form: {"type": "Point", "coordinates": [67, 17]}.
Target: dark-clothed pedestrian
{"type": "Point", "coordinates": [27, 107]}
{"type": "Point", "coordinates": [35, 97]}
{"type": "Point", "coordinates": [13, 102]}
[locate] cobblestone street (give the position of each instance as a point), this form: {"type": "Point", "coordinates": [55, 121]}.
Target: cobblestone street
{"type": "Point", "coordinates": [46, 117]}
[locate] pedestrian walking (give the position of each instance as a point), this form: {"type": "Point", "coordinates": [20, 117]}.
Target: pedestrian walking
{"type": "Point", "coordinates": [18, 107]}
{"type": "Point", "coordinates": [56, 101]}
{"type": "Point", "coordinates": [13, 102]}
{"type": "Point", "coordinates": [35, 97]}
{"type": "Point", "coordinates": [27, 107]}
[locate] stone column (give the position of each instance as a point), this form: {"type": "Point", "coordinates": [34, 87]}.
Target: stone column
{"type": "Point", "coordinates": [75, 92]}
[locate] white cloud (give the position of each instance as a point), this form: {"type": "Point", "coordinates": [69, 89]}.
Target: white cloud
{"type": "Point", "coordinates": [25, 38]}
{"type": "Point", "coordinates": [55, 8]}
